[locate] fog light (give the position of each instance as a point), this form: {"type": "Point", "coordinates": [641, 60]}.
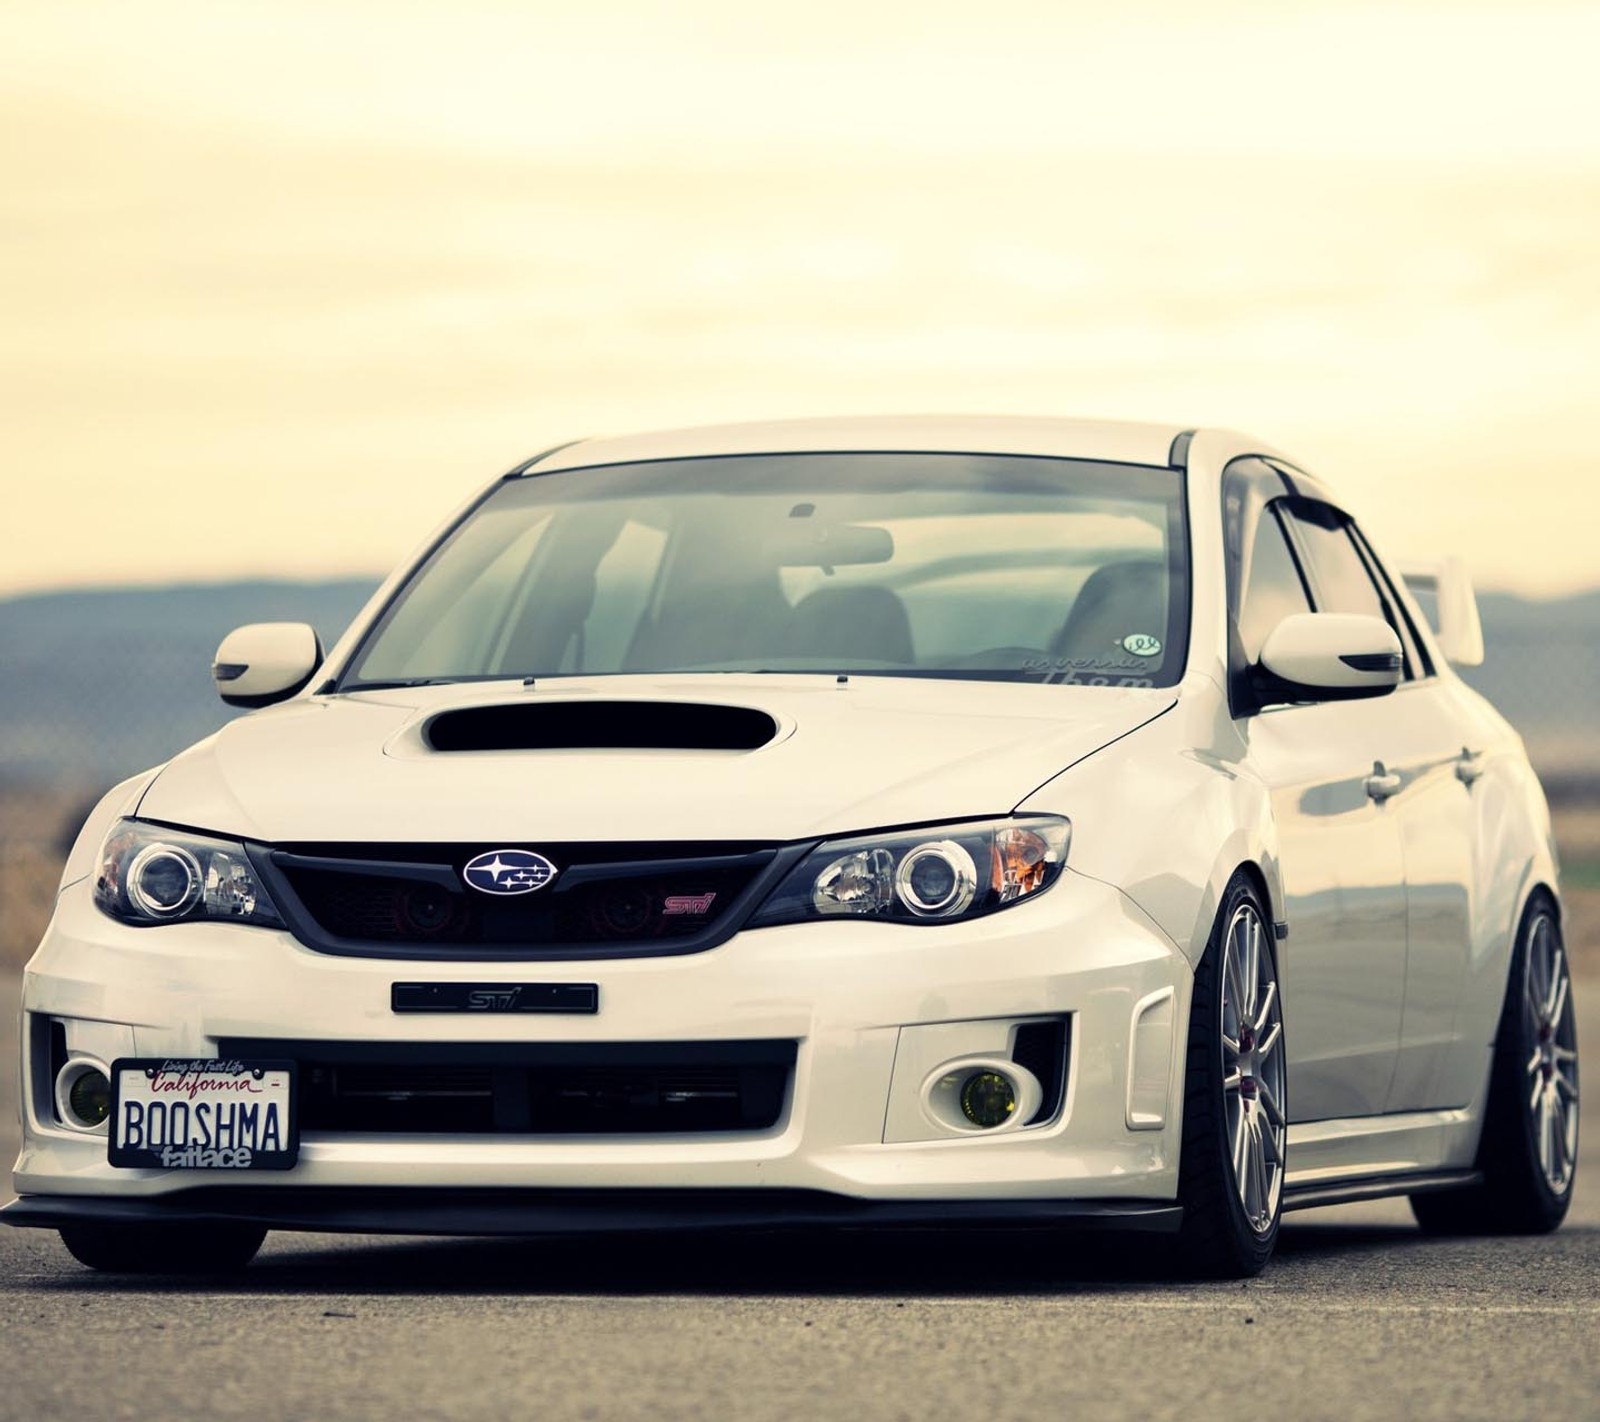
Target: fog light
{"type": "Point", "coordinates": [988, 1099]}
{"type": "Point", "coordinates": [83, 1095]}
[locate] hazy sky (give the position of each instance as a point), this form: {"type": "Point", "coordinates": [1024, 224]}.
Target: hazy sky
{"type": "Point", "coordinates": [281, 282]}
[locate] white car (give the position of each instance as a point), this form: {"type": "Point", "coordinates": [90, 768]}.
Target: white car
{"type": "Point", "coordinates": [873, 822]}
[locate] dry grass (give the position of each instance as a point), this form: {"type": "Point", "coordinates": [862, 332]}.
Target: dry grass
{"type": "Point", "coordinates": [36, 828]}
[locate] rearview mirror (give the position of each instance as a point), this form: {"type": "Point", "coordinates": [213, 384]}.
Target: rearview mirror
{"type": "Point", "coordinates": [1328, 656]}
{"type": "Point", "coordinates": [265, 662]}
{"type": "Point", "coordinates": [806, 544]}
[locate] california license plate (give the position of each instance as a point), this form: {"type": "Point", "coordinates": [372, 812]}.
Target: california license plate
{"type": "Point", "coordinates": [202, 1114]}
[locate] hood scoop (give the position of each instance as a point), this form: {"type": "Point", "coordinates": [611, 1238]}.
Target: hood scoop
{"type": "Point", "coordinates": [600, 725]}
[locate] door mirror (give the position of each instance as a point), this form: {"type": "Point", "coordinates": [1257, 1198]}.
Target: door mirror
{"type": "Point", "coordinates": [265, 662]}
{"type": "Point", "coordinates": [1328, 656]}
{"type": "Point", "coordinates": [1444, 592]}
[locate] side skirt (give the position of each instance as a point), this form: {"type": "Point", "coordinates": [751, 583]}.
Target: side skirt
{"type": "Point", "coordinates": [1376, 1187]}
{"type": "Point", "coordinates": [1404, 1144]}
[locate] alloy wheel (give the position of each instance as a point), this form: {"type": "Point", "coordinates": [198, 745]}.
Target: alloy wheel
{"type": "Point", "coordinates": [1552, 1067]}
{"type": "Point", "coordinates": [1253, 1075]}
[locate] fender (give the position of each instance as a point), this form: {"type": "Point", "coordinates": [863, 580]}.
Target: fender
{"type": "Point", "coordinates": [120, 801]}
{"type": "Point", "coordinates": [1177, 879]}
{"type": "Point", "coordinates": [1515, 857]}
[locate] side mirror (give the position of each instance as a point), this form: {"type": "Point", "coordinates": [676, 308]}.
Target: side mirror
{"type": "Point", "coordinates": [265, 662]}
{"type": "Point", "coordinates": [1444, 593]}
{"type": "Point", "coordinates": [1328, 656]}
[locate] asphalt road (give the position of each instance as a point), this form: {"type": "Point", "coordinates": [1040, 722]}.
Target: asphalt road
{"type": "Point", "coordinates": [1359, 1317]}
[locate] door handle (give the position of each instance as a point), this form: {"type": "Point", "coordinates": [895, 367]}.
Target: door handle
{"type": "Point", "coordinates": [1468, 766]}
{"type": "Point", "coordinates": [1381, 784]}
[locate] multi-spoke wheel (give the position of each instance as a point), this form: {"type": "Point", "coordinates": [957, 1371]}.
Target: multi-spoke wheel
{"type": "Point", "coordinates": [1235, 1122]}
{"type": "Point", "coordinates": [1252, 1067]}
{"type": "Point", "coordinates": [1552, 1065]}
{"type": "Point", "coordinates": [1529, 1152]}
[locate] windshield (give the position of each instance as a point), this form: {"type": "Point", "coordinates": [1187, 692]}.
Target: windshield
{"type": "Point", "coordinates": [951, 565]}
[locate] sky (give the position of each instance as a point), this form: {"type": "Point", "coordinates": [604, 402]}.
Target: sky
{"type": "Point", "coordinates": [281, 284]}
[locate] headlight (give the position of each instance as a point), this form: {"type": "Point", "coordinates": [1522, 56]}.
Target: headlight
{"type": "Point", "coordinates": [151, 875]}
{"type": "Point", "coordinates": [923, 876]}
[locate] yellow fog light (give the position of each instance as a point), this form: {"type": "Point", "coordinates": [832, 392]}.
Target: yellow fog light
{"type": "Point", "coordinates": [90, 1098]}
{"type": "Point", "coordinates": [988, 1099]}
{"type": "Point", "coordinates": [83, 1094]}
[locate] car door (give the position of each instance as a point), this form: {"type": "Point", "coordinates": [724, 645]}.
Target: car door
{"type": "Point", "coordinates": [1434, 746]}
{"type": "Point", "coordinates": [1343, 963]}
{"type": "Point", "coordinates": [1422, 780]}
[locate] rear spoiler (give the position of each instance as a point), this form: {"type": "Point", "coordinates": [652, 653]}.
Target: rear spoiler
{"type": "Point", "coordinates": [1443, 590]}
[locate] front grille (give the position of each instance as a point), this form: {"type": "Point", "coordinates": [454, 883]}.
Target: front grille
{"type": "Point", "coordinates": [614, 898]}
{"type": "Point", "coordinates": [642, 1088]}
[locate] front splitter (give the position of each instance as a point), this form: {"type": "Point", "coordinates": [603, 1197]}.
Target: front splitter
{"type": "Point", "coordinates": [554, 1212]}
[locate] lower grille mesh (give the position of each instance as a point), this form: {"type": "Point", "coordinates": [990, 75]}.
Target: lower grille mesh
{"type": "Point", "coordinates": [534, 1089]}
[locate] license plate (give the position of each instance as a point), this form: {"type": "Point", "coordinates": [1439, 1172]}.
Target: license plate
{"type": "Point", "coordinates": [178, 1114]}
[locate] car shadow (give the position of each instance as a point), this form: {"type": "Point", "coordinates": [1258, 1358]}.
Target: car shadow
{"type": "Point", "coordinates": [883, 1264]}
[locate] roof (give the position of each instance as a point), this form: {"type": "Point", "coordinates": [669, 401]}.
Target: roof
{"type": "Point", "coordinates": [1115, 442]}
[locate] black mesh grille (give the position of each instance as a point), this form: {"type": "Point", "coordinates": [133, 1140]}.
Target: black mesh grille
{"type": "Point", "coordinates": [608, 895]}
{"type": "Point", "coordinates": [536, 1089]}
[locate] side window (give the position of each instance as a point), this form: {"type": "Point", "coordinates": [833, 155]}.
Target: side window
{"type": "Point", "coordinates": [1340, 578]}
{"type": "Point", "coordinates": [1416, 650]}
{"type": "Point", "coordinates": [1273, 587]}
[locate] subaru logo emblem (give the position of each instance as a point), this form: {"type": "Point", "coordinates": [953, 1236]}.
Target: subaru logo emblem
{"type": "Point", "coordinates": [508, 871]}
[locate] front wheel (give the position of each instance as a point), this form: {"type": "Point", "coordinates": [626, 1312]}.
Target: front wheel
{"type": "Point", "coordinates": [1529, 1152]}
{"type": "Point", "coordinates": [1235, 1121]}
{"type": "Point", "coordinates": [163, 1248]}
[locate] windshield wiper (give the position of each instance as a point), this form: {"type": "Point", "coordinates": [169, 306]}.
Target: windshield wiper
{"type": "Point", "coordinates": [397, 685]}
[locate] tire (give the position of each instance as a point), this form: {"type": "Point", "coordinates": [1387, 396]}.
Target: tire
{"type": "Point", "coordinates": [163, 1248]}
{"type": "Point", "coordinates": [1528, 1154]}
{"type": "Point", "coordinates": [1235, 1103]}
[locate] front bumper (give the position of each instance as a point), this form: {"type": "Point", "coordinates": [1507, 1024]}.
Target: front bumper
{"type": "Point", "coordinates": [870, 1006]}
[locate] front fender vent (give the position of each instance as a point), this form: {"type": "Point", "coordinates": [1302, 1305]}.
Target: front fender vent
{"type": "Point", "coordinates": [601, 725]}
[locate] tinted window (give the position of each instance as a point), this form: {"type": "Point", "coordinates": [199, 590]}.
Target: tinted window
{"type": "Point", "coordinates": [1340, 578]}
{"type": "Point", "coordinates": [1418, 662]}
{"type": "Point", "coordinates": [958, 565]}
{"type": "Point", "coordinates": [1273, 587]}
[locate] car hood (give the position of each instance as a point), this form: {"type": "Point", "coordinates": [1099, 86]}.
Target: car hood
{"type": "Point", "coordinates": [876, 751]}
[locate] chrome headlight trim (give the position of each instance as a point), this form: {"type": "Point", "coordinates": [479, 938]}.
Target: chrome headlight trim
{"type": "Point", "coordinates": [215, 880]}
{"type": "Point", "coordinates": [991, 864]}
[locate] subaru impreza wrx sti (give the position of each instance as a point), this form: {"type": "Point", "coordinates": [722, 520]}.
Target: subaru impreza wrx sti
{"type": "Point", "coordinates": [874, 822]}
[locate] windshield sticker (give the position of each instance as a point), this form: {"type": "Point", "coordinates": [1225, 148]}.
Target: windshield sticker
{"type": "Point", "coordinates": [1142, 644]}
{"type": "Point", "coordinates": [1079, 671]}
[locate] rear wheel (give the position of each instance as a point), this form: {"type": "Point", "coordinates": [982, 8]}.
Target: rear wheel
{"type": "Point", "coordinates": [1235, 1123]}
{"type": "Point", "coordinates": [163, 1248]}
{"type": "Point", "coordinates": [1529, 1151]}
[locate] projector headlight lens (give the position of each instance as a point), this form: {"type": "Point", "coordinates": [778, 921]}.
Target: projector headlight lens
{"type": "Point", "coordinates": [936, 880]}
{"type": "Point", "coordinates": [932, 875]}
{"type": "Point", "coordinates": [164, 881]}
{"type": "Point", "coordinates": [149, 874]}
